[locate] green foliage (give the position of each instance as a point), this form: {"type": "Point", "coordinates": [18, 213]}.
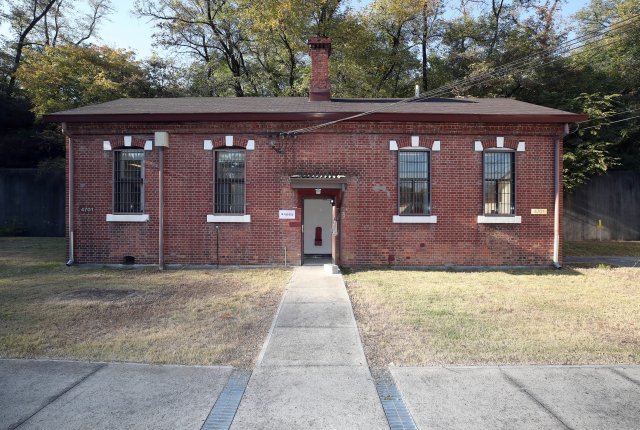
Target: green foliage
{"type": "Point", "coordinates": [382, 49]}
{"type": "Point", "coordinates": [70, 76]}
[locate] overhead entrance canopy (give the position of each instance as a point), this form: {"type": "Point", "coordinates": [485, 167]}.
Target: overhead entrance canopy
{"type": "Point", "coordinates": [326, 181]}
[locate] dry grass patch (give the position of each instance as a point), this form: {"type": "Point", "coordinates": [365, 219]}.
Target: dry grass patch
{"type": "Point", "coordinates": [416, 318]}
{"type": "Point", "coordinates": [140, 315]}
{"type": "Point", "coordinates": [596, 248]}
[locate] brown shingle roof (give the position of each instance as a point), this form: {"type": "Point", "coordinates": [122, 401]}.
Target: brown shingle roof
{"type": "Point", "coordinates": [278, 108]}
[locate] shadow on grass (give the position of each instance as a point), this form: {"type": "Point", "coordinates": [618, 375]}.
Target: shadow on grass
{"type": "Point", "coordinates": [529, 271]}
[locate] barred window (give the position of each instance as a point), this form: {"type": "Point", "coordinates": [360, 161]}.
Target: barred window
{"type": "Point", "coordinates": [499, 183]}
{"type": "Point", "coordinates": [414, 173]}
{"type": "Point", "coordinates": [229, 182]}
{"type": "Point", "coordinates": [128, 182]}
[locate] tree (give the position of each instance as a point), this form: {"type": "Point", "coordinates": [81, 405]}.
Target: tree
{"type": "Point", "coordinates": [23, 17]}
{"type": "Point", "coordinates": [209, 30]}
{"type": "Point", "coordinates": [69, 76]}
{"type": "Point", "coordinates": [391, 21]}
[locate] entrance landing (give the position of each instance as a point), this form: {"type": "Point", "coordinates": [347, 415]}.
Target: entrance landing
{"type": "Point", "coordinates": [312, 372]}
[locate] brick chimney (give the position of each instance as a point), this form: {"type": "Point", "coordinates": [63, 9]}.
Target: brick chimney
{"type": "Point", "coordinates": [319, 50]}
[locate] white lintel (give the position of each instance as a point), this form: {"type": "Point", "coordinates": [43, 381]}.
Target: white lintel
{"type": "Point", "coordinates": [251, 145]}
{"type": "Point", "coordinates": [478, 146]}
{"type": "Point", "coordinates": [106, 145]}
{"type": "Point", "coordinates": [208, 145]}
{"type": "Point", "coordinates": [127, 140]}
{"type": "Point", "coordinates": [415, 141]}
{"type": "Point", "coordinates": [393, 145]}
{"type": "Point", "coordinates": [436, 145]}
{"type": "Point", "coordinates": [500, 142]}
{"type": "Point", "coordinates": [148, 145]}
{"type": "Point", "coordinates": [521, 147]}
{"type": "Point", "coordinates": [228, 140]}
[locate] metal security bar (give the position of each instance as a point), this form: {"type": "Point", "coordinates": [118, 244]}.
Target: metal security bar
{"type": "Point", "coordinates": [128, 181]}
{"type": "Point", "coordinates": [499, 183]}
{"type": "Point", "coordinates": [414, 182]}
{"type": "Point", "coordinates": [229, 184]}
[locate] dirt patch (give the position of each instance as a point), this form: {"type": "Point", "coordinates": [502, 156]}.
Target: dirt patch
{"type": "Point", "coordinates": [101, 294]}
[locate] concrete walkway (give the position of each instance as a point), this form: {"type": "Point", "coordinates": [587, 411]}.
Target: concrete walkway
{"type": "Point", "coordinates": [312, 372]}
{"type": "Point", "coordinates": [39, 394]}
{"type": "Point", "coordinates": [522, 397]}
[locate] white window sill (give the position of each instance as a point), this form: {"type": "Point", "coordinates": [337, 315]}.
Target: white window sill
{"type": "Point", "coordinates": [404, 219]}
{"type": "Point", "coordinates": [228, 218]}
{"type": "Point", "coordinates": [128, 218]}
{"type": "Point", "coordinates": [493, 219]}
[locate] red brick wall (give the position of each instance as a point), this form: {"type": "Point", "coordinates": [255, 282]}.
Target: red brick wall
{"type": "Point", "coordinates": [358, 150]}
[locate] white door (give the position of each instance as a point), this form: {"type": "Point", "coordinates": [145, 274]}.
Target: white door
{"type": "Point", "coordinates": [317, 226]}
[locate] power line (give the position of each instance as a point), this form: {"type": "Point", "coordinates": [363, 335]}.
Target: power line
{"type": "Point", "coordinates": [608, 123]}
{"type": "Point", "coordinates": [608, 115]}
{"type": "Point", "coordinates": [514, 66]}
{"type": "Point", "coordinates": [490, 75]}
{"type": "Point", "coordinates": [601, 117]}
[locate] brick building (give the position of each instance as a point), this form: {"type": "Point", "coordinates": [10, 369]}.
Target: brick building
{"type": "Point", "coordinates": [221, 180]}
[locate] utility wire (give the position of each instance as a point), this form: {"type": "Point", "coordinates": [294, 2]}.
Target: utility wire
{"type": "Point", "coordinates": [608, 115]}
{"type": "Point", "coordinates": [566, 47]}
{"type": "Point", "coordinates": [601, 117]}
{"type": "Point", "coordinates": [608, 123]}
{"type": "Point", "coordinates": [514, 66]}
{"type": "Point", "coordinates": [466, 82]}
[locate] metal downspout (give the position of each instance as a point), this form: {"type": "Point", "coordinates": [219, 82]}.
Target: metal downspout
{"type": "Point", "coordinates": [71, 196]}
{"type": "Point", "coordinates": [556, 206]}
{"type": "Point", "coordinates": [161, 208]}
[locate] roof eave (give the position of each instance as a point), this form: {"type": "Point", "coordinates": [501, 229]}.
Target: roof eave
{"type": "Point", "coordinates": [559, 118]}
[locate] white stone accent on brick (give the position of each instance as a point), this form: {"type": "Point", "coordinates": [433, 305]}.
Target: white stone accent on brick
{"type": "Point", "coordinates": [148, 145]}
{"type": "Point", "coordinates": [251, 145]}
{"type": "Point", "coordinates": [228, 140]}
{"type": "Point", "coordinates": [106, 145]}
{"type": "Point", "coordinates": [431, 219]}
{"type": "Point", "coordinates": [208, 145]}
{"type": "Point", "coordinates": [493, 219]}
{"type": "Point", "coordinates": [127, 140]}
{"type": "Point", "coordinates": [128, 217]}
{"type": "Point", "coordinates": [478, 146]}
{"type": "Point", "coordinates": [228, 218]}
{"type": "Point", "coordinates": [415, 141]}
{"type": "Point", "coordinates": [521, 147]}
{"type": "Point", "coordinates": [393, 145]}
{"type": "Point", "coordinates": [500, 142]}
{"type": "Point", "coordinates": [436, 145]}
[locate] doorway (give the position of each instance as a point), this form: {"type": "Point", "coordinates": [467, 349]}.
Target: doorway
{"type": "Point", "coordinates": [317, 230]}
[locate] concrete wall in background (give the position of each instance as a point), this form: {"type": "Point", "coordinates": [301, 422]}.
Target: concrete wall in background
{"type": "Point", "coordinates": [614, 199]}
{"type": "Point", "coordinates": [31, 203]}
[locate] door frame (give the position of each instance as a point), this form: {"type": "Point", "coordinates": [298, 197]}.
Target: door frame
{"type": "Point", "coordinates": [334, 194]}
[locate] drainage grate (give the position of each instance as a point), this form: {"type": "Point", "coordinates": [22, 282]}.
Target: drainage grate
{"type": "Point", "coordinates": [222, 413]}
{"type": "Point", "coordinates": [398, 415]}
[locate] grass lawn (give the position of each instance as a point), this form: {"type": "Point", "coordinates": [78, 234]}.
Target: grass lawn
{"type": "Point", "coordinates": [589, 248]}
{"type": "Point", "coordinates": [573, 316]}
{"type": "Point", "coordinates": [142, 315]}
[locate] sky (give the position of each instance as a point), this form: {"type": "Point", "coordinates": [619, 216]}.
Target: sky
{"type": "Point", "coordinates": [124, 30]}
